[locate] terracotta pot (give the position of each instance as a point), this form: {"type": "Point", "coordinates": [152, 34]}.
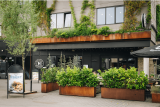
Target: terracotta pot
{"type": "Point", "coordinates": [124, 94]}
{"type": "Point", "coordinates": [156, 97]}
{"type": "Point", "coordinates": [78, 91]}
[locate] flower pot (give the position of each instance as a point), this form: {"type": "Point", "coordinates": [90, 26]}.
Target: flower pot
{"type": "Point", "coordinates": [124, 94]}
{"type": "Point", "coordinates": [156, 97]}
{"type": "Point", "coordinates": [78, 91]}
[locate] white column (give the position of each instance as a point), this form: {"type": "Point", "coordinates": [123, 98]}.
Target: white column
{"type": "Point", "coordinates": [146, 66]}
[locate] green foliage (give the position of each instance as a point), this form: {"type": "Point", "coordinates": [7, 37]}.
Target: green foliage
{"type": "Point", "coordinates": [148, 19]}
{"type": "Point", "coordinates": [103, 30]}
{"type": "Point", "coordinates": [121, 78]}
{"type": "Point", "coordinates": [158, 20]}
{"type": "Point", "coordinates": [77, 77]}
{"type": "Point", "coordinates": [16, 19]}
{"type": "Point", "coordinates": [132, 9]}
{"type": "Point", "coordinates": [73, 14]}
{"type": "Point", "coordinates": [155, 89]}
{"type": "Point", "coordinates": [49, 75]}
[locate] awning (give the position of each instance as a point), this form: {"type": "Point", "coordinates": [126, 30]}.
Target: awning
{"type": "Point", "coordinates": [150, 52]}
{"type": "Point", "coordinates": [89, 45]}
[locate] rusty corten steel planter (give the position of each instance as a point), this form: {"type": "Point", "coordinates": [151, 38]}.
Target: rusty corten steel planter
{"type": "Point", "coordinates": [47, 87]}
{"type": "Point", "coordinates": [124, 94]}
{"type": "Point", "coordinates": [117, 36]}
{"type": "Point", "coordinates": [156, 97]}
{"type": "Point", "coordinates": [78, 91]}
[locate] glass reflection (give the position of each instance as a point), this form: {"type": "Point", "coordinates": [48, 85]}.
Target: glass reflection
{"type": "Point", "coordinates": [119, 14]}
{"type": "Point", "coordinates": [68, 20]}
{"type": "Point", "coordinates": [60, 18]}
{"type": "Point", "coordinates": [110, 15]}
{"type": "Point", "coordinates": [101, 16]}
{"type": "Point", "coordinates": [53, 21]}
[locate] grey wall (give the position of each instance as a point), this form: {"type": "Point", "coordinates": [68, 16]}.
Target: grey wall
{"type": "Point", "coordinates": [63, 6]}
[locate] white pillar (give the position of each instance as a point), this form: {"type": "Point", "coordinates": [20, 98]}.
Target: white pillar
{"type": "Point", "coordinates": [146, 66]}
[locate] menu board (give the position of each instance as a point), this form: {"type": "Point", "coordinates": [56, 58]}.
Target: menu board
{"type": "Point", "coordinates": [15, 82]}
{"type": "Point", "coordinates": [35, 76]}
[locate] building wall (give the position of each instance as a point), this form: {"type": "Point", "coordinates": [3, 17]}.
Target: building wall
{"type": "Point", "coordinates": [153, 19]}
{"type": "Point", "coordinates": [63, 6]}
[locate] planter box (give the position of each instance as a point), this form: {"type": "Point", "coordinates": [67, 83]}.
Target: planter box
{"type": "Point", "coordinates": [156, 97]}
{"type": "Point", "coordinates": [47, 87]}
{"type": "Point", "coordinates": [124, 94]}
{"type": "Point", "coordinates": [78, 91]}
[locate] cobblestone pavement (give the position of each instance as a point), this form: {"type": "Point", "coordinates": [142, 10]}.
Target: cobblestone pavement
{"type": "Point", "coordinates": [53, 99]}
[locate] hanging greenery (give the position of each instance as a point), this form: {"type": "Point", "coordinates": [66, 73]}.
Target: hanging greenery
{"type": "Point", "coordinates": [73, 14]}
{"type": "Point", "coordinates": [149, 12]}
{"type": "Point", "coordinates": [132, 9]}
{"type": "Point", "coordinates": [158, 20]}
{"type": "Point", "coordinates": [44, 15]}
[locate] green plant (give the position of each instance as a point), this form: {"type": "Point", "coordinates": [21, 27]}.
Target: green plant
{"type": "Point", "coordinates": [121, 78]}
{"type": "Point", "coordinates": [49, 75]}
{"type": "Point", "coordinates": [155, 89]}
{"type": "Point", "coordinates": [148, 19]}
{"type": "Point", "coordinates": [103, 31]}
{"type": "Point", "coordinates": [77, 77]}
{"type": "Point", "coordinates": [152, 75]}
{"type": "Point", "coordinates": [158, 20]}
{"type": "Point", "coordinates": [132, 9]}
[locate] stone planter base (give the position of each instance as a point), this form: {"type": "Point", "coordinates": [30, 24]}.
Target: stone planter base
{"type": "Point", "coordinates": [156, 97]}
{"type": "Point", "coordinates": [78, 91]}
{"type": "Point", "coordinates": [49, 87]}
{"type": "Point", "coordinates": [124, 94]}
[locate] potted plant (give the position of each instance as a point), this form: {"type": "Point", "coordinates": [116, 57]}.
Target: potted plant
{"type": "Point", "coordinates": [49, 80]}
{"type": "Point", "coordinates": [124, 84]}
{"type": "Point", "coordinates": [78, 82]}
{"type": "Point", "coordinates": [155, 91]}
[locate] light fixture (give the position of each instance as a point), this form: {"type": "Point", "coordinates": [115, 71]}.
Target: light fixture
{"type": "Point", "coordinates": [73, 50]}
{"type": "Point", "coordinates": [2, 50]}
{"type": "Point", "coordinates": [120, 12]}
{"type": "Point", "coordinates": [101, 14]}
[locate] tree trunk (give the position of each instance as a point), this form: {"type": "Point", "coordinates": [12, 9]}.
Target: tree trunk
{"type": "Point", "coordinates": [23, 59]}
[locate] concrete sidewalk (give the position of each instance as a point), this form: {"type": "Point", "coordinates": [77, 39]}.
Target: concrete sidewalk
{"type": "Point", "coordinates": [53, 99]}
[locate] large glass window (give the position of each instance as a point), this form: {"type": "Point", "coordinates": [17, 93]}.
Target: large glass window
{"type": "Point", "coordinates": [53, 21]}
{"type": "Point", "coordinates": [67, 20]}
{"type": "Point", "coordinates": [110, 16]}
{"type": "Point", "coordinates": [60, 18]}
{"type": "Point", "coordinates": [119, 14]}
{"type": "Point", "coordinates": [101, 16]}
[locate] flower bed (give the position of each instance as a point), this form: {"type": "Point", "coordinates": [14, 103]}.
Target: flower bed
{"type": "Point", "coordinates": [124, 84]}
{"type": "Point", "coordinates": [76, 81]}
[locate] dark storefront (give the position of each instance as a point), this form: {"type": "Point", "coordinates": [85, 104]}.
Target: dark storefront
{"type": "Point", "coordinates": [6, 60]}
{"type": "Point", "coordinates": [103, 55]}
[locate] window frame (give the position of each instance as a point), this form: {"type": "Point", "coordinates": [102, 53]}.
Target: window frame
{"type": "Point", "coordinates": [64, 15]}
{"type": "Point", "coordinates": [114, 14]}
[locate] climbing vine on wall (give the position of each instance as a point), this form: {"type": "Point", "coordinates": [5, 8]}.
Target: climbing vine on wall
{"type": "Point", "coordinates": [44, 15]}
{"type": "Point", "coordinates": [73, 14]}
{"type": "Point", "coordinates": [148, 19]}
{"type": "Point", "coordinates": [158, 20]}
{"type": "Point", "coordinates": [132, 9]}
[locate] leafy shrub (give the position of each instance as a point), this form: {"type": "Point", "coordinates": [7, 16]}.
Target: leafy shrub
{"type": "Point", "coordinates": [53, 32]}
{"type": "Point", "coordinates": [77, 77]}
{"type": "Point", "coordinates": [121, 78]}
{"type": "Point", "coordinates": [49, 75]}
{"type": "Point", "coordinates": [155, 89]}
{"type": "Point", "coordinates": [103, 30]}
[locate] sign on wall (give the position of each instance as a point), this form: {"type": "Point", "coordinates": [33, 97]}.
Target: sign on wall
{"type": "Point", "coordinates": [15, 82]}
